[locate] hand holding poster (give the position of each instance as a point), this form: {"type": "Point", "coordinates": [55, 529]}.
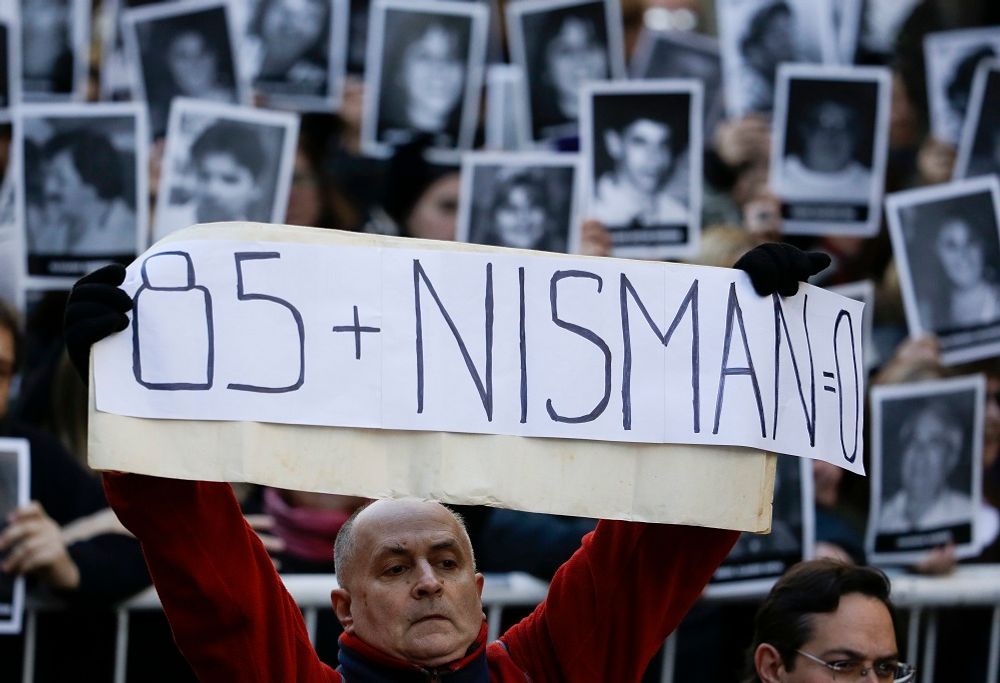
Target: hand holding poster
{"type": "Point", "coordinates": [241, 323]}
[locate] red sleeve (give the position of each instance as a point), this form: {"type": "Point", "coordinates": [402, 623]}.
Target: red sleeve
{"type": "Point", "coordinates": [229, 612]}
{"type": "Point", "coordinates": [610, 607]}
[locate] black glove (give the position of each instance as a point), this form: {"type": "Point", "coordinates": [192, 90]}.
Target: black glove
{"type": "Point", "coordinates": [779, 267]}
{"type": "Point", "coordinates": [96, 308]}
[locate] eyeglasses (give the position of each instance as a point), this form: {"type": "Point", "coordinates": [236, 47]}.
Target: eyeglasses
{"type": "Point", "coordinates": [852, 669]}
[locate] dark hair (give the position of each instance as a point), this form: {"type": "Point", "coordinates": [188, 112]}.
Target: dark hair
{"type": "Point", "coordinates": [529, 179]}
{"type": "Point", "coordinates": [238, 140]}
{"type": "Point", "coordinates": [760, 22]}
{"type": "Point", "coordinates": [94, 157]}
{"type": "Point", "coordinates": [785, 619]}
{"type": "Point", "coordinates": [9, 321]}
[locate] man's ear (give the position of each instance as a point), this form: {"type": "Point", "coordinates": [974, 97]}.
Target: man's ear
{"type": "Point", "coordinates": [768, 663]}
{"type": "Point", "coordinates": [613, 141]}
{"type": "Point", "coordinates": [341, 600]}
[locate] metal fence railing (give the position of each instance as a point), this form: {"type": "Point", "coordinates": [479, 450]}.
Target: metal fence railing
{"type": "Point", "coordinates": [919, 596]}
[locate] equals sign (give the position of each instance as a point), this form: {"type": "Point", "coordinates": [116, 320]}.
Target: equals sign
{"type": "Point", "coordinates": [827, 387]}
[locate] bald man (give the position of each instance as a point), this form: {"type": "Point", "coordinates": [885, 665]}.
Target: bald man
{"type": "Point", "coordinates": [409, 594]}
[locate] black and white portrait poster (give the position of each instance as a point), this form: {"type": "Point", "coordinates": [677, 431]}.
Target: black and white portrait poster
{"type": "Point", "coordinates": [82, 188]}
{"type": "Point", "coordinates": [925, 471]}
{"type": "Point", "coordinates": [295, 52]}
{"type": "Point", "coordinates": [946, 241]}
{"type": "Point", "coordinates": [14, 483]}
{"type": "Point", "coordinates": [979, 147]}
{"type": "Point", "coordinates": [758, 35]}
{"type": "Point", "coordinates": [182, 49]}
{"type": "Point", "coordinates": [641, 143]}
{"type": "Point", "coordinates": [505, 122]}
{"type": "Point", "coordinates": [423, 73]}
{"type": "Point", "coordinates": [524, 200]}
{"type": "Point", "coordinates": [224, 162]}
{"type": "Point", "coordinates": [830, 142]}
{"type": "Point", "coordinates": [116, 77]}
{"type": "Point", "coordinates": [560, 45]}
{"type": "Point", "coordinates": [683, 54]}
{"type": "Point", "coordinates": [757, 558]}
{"type": "Point", "coordinates": [55, 49]}
{"type": "Point", "coordinates": [952, 58]}
{"type": "Point", "coordinates": [863, 291]}
{"type": "Point", "coordinates": [10, 56]}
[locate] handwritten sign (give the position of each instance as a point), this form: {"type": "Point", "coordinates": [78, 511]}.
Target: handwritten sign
{"type": "Point", "coordinates": [487, 342]}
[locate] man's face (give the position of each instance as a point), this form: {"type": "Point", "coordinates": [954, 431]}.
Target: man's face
{"type": "Point", "coordinates": [928, 458]}
{"type": "Point", "coordinates": [829, 138]}
{"type": "Point", "coordinates": [520, 218]}
{"type": "Point", "coordinates": [66, 195]}
{"type": "Point", "coordinates": [642, 153]}
{"type": "Point", "coordinates": [192, 64]}
{"type": "Point", "coordinates": [6, 367]}
{"type": "Point", "coordinates": [413, 592]}
{"type": "Point", "coordinates": [225, 189]}
{"type": "Point", "coordinates": [860, 630]}
{"type": "Point", "coordinates": [293, 25]}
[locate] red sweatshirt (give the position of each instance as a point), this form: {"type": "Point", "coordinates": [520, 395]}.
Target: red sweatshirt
{"type": "Point", "coordinates": [608, 609]}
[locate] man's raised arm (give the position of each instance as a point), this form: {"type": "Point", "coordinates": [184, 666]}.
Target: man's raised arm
{"type": "Point", "coordinates": [229, 612]}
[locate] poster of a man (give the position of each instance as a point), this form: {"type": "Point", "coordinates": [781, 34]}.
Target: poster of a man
{"type": "Point", "coordinates": [947, 245]}
{"type": "Point", "coordinates": [952, 58]}
{"type": "Point", "coordinates": [525, 200]}
{"type": "Point", "coordinates": [225, 163]}
{"type": "Point", "coordinates": [979, 147]}
{"type": "Point", "coordinates": [641, 145]}
{"type": "Point", "coordinates": [55, 49]}
{"type": "Point", "coordinates": [757, 557]}
{"type": "Point", "coordinates": [926, 476]}
{"type": "Point", "coordinates": [82, 187]}
{"type": "Point", "coordinates": [14, 478]}
{"type": "Point", "coordinates": [560, 45]}
{"type": "Point", "coordinates": [423, 74]}
{"type": "Point", "coordinates": [295, 52]}
{"type": "Point", "coordinates": [830, 135]}
{"type": "Point", "coordinates": [182, 49]}
{"type": "Point", "coordinates": [757, 36]}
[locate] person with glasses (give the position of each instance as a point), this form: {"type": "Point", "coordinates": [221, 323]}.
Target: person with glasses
{"type": "Point", "coordinates": [826, 620]}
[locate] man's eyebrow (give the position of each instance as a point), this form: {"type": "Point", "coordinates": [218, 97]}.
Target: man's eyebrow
{"type": "Point", "coordinates": [447, 544]}
{"type": "Point", "coordinates": [391, 549]}
{"type": "Point", "coordinates": [853, 654]}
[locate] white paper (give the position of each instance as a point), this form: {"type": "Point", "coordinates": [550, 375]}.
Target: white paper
{"type": "Point", "coordinates": [414, 376]}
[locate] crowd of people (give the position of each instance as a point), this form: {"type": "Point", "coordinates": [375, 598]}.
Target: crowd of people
{"type": "Point", "coordinates": [352, 167]}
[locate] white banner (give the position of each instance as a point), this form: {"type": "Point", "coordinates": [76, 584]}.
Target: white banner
{"type": "Point", "coordinates": [491, 342]}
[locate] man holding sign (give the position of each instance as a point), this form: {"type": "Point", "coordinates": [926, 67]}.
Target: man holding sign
{"type": "Point", "coordinates": [409, 595]}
